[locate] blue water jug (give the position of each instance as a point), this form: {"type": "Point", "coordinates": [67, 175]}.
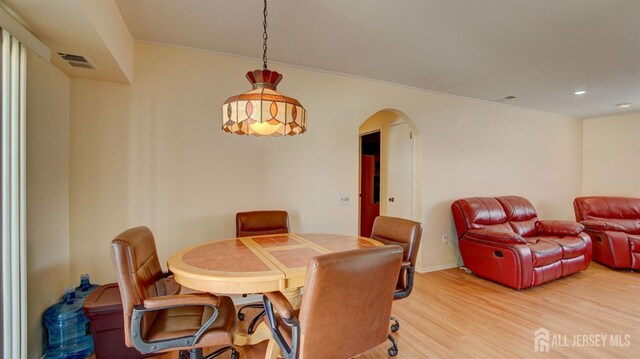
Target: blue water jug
{"type": "Point", "coordinates": [85, 288]}
{"type": "Point", "coordinates": [67, 328]}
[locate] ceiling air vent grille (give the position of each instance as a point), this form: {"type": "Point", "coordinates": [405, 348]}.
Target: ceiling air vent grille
{"type": "Point", "coordinates": [506, 98]}
{"type": "Point", "coordinates": [76, 60]}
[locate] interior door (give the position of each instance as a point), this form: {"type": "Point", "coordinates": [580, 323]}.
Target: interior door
{"type": "Point", "coordinates": [369, 208]}
{"type": "Point", "coordinates": [400, 171]}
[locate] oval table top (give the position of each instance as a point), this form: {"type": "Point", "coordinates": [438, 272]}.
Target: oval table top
{"type": "Point", "coordinates": [256, 264]}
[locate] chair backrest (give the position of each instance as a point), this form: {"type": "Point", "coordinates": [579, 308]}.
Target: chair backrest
{"type": "Point", "coordinates": [508, 213]}
{"type": "Point", "coordinates": [479, 212]}
{"type": "Point", "coordinates": [347, 301]}
{"type": "Point", "coordinates": [623, 211]}
{"type": "Point", "coordinates": [258, 223]}
{"type": "Point", "coordinates": [521, 215]}
{"type": "Point", "coordinates": [399, 231]}
{"type": "Point", "coordinates": [138, 273]}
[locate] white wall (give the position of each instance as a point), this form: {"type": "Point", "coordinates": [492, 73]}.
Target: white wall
{"type": "Point", "coordinates": [47, 192]}
{"type": "Point", "coordinates": [611, 148]}
{"type": "Point", "coordinates": [478, 149]}
{"type": "Point", "coordinates": [152, 153]}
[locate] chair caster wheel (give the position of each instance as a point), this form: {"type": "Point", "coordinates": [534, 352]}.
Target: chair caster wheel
{"type": "Point", "coordinates": [241, 316]}
{"type": "Point", "coordinates": [392, 352]}
{"type": "Point", "coordinates": [235, 355]}
{"type": "Point", "coordinates": [395, 327]}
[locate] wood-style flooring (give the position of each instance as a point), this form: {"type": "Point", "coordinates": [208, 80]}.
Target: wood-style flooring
{"type": "Point", "coordinates": [453, 314]}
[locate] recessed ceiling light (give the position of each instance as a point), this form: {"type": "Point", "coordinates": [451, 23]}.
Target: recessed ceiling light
{"type": "Point", "coordinates": [624, 105]}
{"type": "Point", "coordinates": [580, 92]}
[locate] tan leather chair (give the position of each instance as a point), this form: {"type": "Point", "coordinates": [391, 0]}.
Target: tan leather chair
{"type": "Point", "coordinates": [155, 322]}
{"type": "Point", "coordinates": [259, 223]}
{"type": "Point", "coordinates": [342, 291]}
{"type": "Point", "coordinates": [407, 234]}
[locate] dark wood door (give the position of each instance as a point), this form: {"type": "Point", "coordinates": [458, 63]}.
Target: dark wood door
{"type": "Point", "coordinates": [369, 209]}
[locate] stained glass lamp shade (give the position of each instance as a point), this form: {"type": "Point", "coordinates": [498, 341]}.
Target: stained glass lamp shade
{"type": "Point", "coordinates": [263, 111]}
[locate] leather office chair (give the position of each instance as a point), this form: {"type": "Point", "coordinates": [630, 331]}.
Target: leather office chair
{"type": "Point", "coordinates": [155, 322]}
{"type": "Point", "coordinates": [342, 291]}
{"type": "Point", "coordinates": [258, 223]}
{"type": "Point", "coordinates": [407, 234]}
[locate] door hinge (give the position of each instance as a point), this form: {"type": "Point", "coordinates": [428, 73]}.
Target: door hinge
{"type": "Point", "coordinates": [410, 135]}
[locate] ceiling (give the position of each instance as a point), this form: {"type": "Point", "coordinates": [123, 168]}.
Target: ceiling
{"type": "Point", "coordinates": [539, 51]}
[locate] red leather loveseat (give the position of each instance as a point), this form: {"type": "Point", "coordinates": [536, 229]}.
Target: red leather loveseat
{"type": "Point", "coordinates": [614, 226]}
{"type": "Point", "coordinates": [501, 239]}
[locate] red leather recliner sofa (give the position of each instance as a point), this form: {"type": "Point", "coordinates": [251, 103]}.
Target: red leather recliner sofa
{"type": "Point", "coordinates": [614, 226]}
{"type": "Point", "coordinates": [501, 239]}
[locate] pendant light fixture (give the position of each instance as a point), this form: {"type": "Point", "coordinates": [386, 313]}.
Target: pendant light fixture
{"type": "Point", "coordinates": [263, 111]}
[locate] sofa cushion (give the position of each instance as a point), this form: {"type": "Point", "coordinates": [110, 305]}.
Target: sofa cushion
{"type": "Point", "coordinates": [571, 246]}
{"type": "Point", "coordinates": [549, 272]}
{"type": "Point", "coordinates": [543, 252]}
{"type": "Point", "coordinates": [521, 214]}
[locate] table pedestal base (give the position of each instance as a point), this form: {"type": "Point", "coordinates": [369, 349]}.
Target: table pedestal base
{"type": "Point", "coordinates": [261, 334]}
{"type": "Point", "coordinates": [262, 331]}
{"type": "Point", "coordinates": [294, 296]}
{"type": "Point", "coordinates": [273, 350]}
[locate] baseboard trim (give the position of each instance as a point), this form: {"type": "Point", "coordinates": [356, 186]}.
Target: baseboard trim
{"type": "Point", "coordinates": [436, 268]}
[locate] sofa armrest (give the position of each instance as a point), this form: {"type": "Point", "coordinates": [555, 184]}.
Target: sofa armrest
{"type": "Point", "coordinates": [602, 226]}
{"type": "Point", "coordinates": [180, 300]}
{"type": "Point", "coordinates": [492, 235]}
{"type": "Point", "coordinates": [559, 228]}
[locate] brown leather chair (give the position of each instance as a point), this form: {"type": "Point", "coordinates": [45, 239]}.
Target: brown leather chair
{"type": "Point", "coordinates": [407, 234]}
{"type": "Point", "coordinates": [259, 223]}
{"type": "Point", "coordinates": [155, 322]}
{"type": "Point", "coordinates": [342, 291]}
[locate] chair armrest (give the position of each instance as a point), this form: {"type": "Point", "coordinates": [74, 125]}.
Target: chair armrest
{"type": "Point", "coordinates": [602, 226]}
{"type": "Point", "coordinates": [559, 228]}
{"type": "Point", "coordinates": [180, 300]}
{"type": "Point", "coordinates": [282, 305]}
{"type": "Point", "coordinates": [284, 308]}
{"type": "Point", "coordinates": [167, 302]}
{"type": "Point", "coordinates": [492, 235]}
{"type": "Point", "coordinates": [410, 270]}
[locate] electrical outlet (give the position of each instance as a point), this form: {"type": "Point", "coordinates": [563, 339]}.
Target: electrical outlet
{"type": "Point", "coordinates": [445, 239]}
{"type": "Point", "coordinates": [343, 199]}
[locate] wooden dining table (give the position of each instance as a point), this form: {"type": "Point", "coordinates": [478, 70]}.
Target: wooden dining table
{"type": "Point", "coordinates": [257, 264]}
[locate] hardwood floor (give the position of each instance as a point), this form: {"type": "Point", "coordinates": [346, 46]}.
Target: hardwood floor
{"type": "Point", "coordinates": [452, 314]}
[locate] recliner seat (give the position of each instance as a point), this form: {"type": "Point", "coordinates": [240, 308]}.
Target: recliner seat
{"type": "Point", "coordinates": [501, 239]}
{"type": "Point", "coordinates": [614, 226]}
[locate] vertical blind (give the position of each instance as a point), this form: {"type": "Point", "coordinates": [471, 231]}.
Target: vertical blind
{"type": "Point", "coordinates": [14, 269]}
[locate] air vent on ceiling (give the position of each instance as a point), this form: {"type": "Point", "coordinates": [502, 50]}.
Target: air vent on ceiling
{"type": "Point", "coordinates": [76, 60]}
{"type": "Point", "coordinates": [506, 98]}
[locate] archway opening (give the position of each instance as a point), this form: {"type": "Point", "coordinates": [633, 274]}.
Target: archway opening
{"type": "Point", "coordinates": [389, 179]}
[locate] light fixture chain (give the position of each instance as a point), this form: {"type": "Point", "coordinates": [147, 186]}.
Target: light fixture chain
{"type": "Point", "coordinates": [264, 38]}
